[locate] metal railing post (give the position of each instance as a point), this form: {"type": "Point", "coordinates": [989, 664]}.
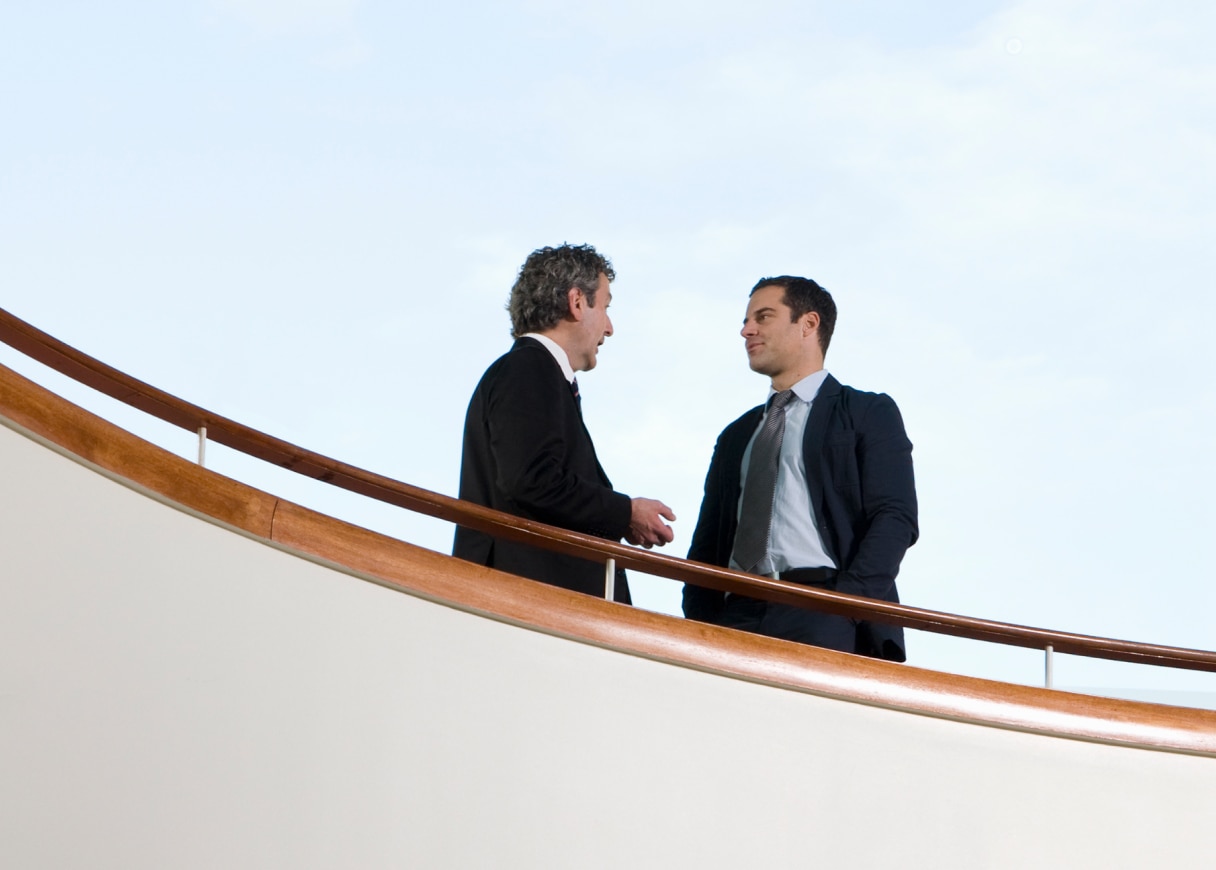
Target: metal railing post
{"type": "Point", "coordinates": [610, 580]}
{"type": "Point", "coordinates": [1048, 677]}
{"type": "Point", "coordinates": [202, 445]}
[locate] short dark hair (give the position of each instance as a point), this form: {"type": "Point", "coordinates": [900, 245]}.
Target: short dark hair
{"type": "Point", "coordinates": [539, 298]}
{"type": "Point", "coordinates": [803, 295]}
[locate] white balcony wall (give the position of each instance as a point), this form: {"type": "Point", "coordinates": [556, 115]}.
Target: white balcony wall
{"type": "Point", "coordinates": [174, 694]}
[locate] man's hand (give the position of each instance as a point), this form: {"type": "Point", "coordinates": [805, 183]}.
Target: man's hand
{"type": "Point", "coordinates": [646, 526]}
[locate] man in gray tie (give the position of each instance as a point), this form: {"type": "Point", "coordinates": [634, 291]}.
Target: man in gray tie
{"type": "Point", "coordinates": [815, 486]}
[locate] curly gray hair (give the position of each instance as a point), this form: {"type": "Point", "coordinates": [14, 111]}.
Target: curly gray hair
{"type": "Point", "coordinates": [539, 298]}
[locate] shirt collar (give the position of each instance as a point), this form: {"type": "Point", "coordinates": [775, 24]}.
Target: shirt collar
{"type": "Point", "coordinates": [558, 352]}
{"type": "Point", "coordinates": [807, 388]}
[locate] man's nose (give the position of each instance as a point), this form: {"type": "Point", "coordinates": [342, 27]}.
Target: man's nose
{"type": "Point", "coordinates": [748, 329]}
{"type": "Point", "coordinates": [608, 331]}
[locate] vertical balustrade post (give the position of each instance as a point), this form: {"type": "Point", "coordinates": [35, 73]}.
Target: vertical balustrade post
{"type": "Point", "coordinates": [1048, 676]}
{"type": "Point", "coordinates": [610, 580]}
{"type": "Point", "coordinates": [202, 445]}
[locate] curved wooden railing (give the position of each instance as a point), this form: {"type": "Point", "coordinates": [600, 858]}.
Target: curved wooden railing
{"type": "Point", "coordinates": [93, 373]}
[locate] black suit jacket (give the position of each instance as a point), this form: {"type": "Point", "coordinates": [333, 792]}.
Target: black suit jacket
{"type": "Point", "coordinates": [527, 452]}
{"type": "Point", "coordinates": [859, 472]}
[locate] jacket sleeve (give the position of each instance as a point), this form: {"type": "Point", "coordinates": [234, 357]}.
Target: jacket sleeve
{"type": "Point", "coordinates": [533, 423]}
{"type": "Point", "coordinates": [888, 501]}
{"type": "Point", "coordinates": [701, 604]}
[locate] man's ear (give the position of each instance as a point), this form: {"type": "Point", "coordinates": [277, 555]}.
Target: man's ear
{"type": "Point", "coordinates": [576, 304]}
{"type": "Point", "coordinates": [810, 322]}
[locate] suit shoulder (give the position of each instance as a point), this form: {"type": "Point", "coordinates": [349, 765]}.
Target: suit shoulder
{"type": "Point", "coordinates": [865, 399]}
{"type": "Point", "coordinates": [864, 395]}
{"type": "Point", "coordinates": [526, 360]}
{"type": "Point", "coordinates": [874, 412]}
{"type": "Point", "coordinates": [745, 422]}
{"type": "Point", "coordinates": [526, 353]}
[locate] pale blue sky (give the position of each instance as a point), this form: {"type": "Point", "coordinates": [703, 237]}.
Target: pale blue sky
{"type": "Point", "coordinates": [307, 216]}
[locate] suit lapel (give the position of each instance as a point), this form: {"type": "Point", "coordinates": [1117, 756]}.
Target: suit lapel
{"type": "Point", "coordinates": [732, 485]}
{"type": "Point", "coordinates": [570, 402]}
{"type": "Point", "coordinates": [822, 409]}
{"type": "Point", "coordinates": [582, 424]}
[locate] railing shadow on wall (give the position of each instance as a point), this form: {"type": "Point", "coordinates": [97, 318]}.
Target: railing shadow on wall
{"type": "Point", "coordinates": [95, 374]}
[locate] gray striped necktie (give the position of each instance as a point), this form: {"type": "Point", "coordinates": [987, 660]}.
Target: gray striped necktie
{"type": "Point", "coordinates": [756, 516]}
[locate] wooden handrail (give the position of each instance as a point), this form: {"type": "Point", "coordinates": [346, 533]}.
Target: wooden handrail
{"type": "Point", "coordinates": [39, 413]}
{"type": "Point", "coordinates": [87, 370]}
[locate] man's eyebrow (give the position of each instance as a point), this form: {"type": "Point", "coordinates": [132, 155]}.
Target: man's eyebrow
{"type": "Point", "coordinates": [768, 309]}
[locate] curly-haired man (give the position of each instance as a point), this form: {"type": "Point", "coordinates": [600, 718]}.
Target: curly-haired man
{"type": "Point", "coordinates": [526, 450]}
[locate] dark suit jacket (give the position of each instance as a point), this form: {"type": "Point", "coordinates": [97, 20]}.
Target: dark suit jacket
{"type": "Point", "coordinates": [527, 452]}
{"type": "Point", "coordinates": [859, 471]}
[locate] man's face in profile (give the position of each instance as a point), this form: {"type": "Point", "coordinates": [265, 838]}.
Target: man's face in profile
{"type": "Point", "coordinates": [595, 326]}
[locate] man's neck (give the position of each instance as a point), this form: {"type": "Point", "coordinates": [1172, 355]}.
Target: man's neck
{"type": "Point", "coordinates": [785, 380]}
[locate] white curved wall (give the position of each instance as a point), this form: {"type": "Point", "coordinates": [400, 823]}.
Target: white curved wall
{"type": "Point", "coordinates": [175, 694]}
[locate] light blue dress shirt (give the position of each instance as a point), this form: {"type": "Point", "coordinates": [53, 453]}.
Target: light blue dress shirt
{"type": "Point", "coordinates": [794, 540]}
